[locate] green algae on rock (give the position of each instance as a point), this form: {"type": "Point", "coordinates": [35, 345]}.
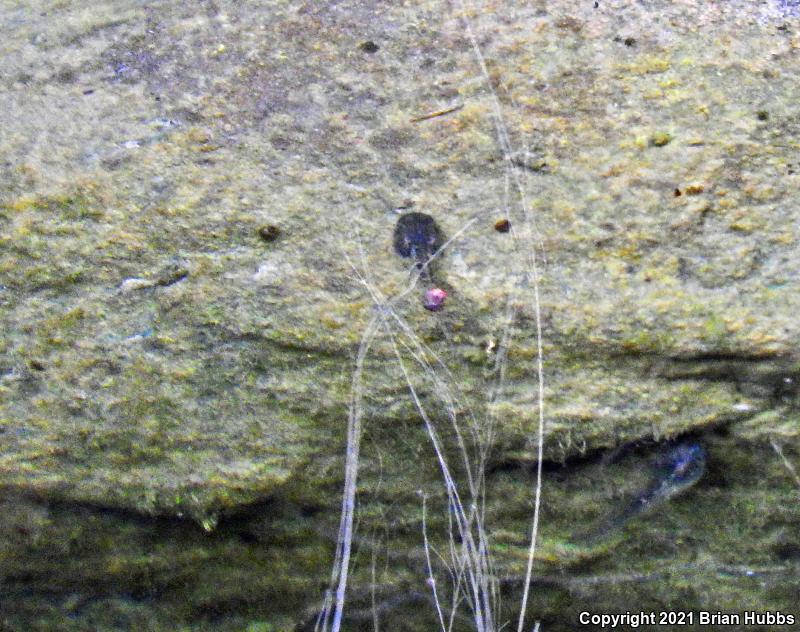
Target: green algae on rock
{"type": "Point", "coordinates": [167, 135]}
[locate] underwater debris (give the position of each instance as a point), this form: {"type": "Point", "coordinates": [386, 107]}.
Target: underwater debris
{"type": "Point", "coordinates": [436, 113]}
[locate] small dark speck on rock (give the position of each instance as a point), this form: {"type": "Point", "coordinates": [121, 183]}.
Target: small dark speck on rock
{"type": "Point", "coordinates": [677, 193]}
{"type": "Point", "coordinates": [629, 41]}
{"type": "Point", "coordinates": [762, 115]}
{"type": "Point", "coordinates": [369, 47]}
{"type": "Point", "coordinates": [269, 233]}
{"type": "Point", "coordinates": [502, 225]}
{"type": "Point", "coordinates": [89, 91]}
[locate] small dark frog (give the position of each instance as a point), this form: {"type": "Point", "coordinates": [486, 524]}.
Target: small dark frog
{"type": "Point", "coordinates": [417, 235]}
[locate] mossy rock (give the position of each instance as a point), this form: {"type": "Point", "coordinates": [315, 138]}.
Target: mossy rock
{"type": "Point", "coordinates": [171, 378]}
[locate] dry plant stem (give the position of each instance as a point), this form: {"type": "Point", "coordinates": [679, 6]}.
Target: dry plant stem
{"type": "Point", "coordinates": [471, 562]}
{"type": "Point", "coordinates": [473, 556]}
{"type": "Point", "coordinates": [450, 411]}
{"type": "Point", "coordinates": [341, 564]}
{"type": "Point", "coordinates": [786, 463]}
{"type": "Point", "coordinates": [503, 139]}
{"type": "Point", "coordinates": [344, 542]}
{"type": "Point", "coordinates": [373, 602]}
{"type": "Point", "coordinates": [431, 578]}
{"type": "Point", "coordinates": [476, 491]}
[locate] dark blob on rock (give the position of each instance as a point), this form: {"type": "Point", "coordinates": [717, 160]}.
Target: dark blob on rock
{"type": "Point", "coordinates": [417, 235]}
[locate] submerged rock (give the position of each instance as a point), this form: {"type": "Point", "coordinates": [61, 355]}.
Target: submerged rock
{"type": "Point", "coordinates": [207, 394]}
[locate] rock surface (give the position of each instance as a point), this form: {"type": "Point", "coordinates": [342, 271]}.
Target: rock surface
{"type": "Point", "coordinates": [196, 233]}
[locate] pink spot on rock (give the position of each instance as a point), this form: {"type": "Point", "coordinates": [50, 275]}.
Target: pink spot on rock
{"type": "Point", "coordinates": [434, 299]}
